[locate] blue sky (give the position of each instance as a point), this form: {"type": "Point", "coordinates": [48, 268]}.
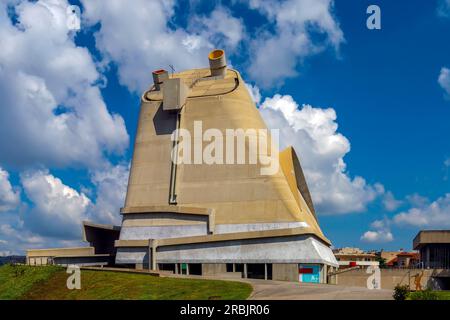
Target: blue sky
{"type": "Point", "coordinates": [378, 100]}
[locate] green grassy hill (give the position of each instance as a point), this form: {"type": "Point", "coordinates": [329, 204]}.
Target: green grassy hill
{"type": "Point", "coordinates": [49, 282]}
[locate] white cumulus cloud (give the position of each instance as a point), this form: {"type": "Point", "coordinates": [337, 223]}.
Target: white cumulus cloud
{"type": "Point", "coordinates": [219, 27]}
{"type": "Point", "coordinates": [428, 215]}
{"type": "Point", "coordinates": [444, 80]}
{"type": "Point", "coordinates": [276, 55]}
{"type": "Point", "coordinates": [136, 35]}
{"type": "Point", "coordinates": [157, 42]}
{"type": "Point", "coordinates": [444, 8]}
{"type": "Point", "coordinates": [377, 236]}
{"type": "Point", "coordinates": [111, 187]}
{"type": "Point", "coordinates": [254, 93]}
{"type": "Point", "coordinates": [55, 211]}
{"type": "Point", "coordinates": [9, 197]}
{"type": "Point", "coordinates": [321, 149]}
{"type": "Point", "coordinates": [15, 238]}
{"type": "Point", "coordinates": [380, 232]}
{"type": "Point", "coordinates": [52, 109]}
{"type": "Point", "coordinates": [390, 203]}
{"type": "Point", "coordinates": [58, 209]}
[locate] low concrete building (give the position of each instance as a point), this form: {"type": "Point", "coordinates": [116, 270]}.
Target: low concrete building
{"type": "Point", "coordinates": [40, 257]}
{"type": "Point", "coordinates": [100, 252]}
{"type": "Point", "coordinates": [434, 248]}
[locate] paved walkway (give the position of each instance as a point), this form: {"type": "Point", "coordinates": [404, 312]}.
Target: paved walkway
{"type": "Point", "coordinates": [284, 290]}
{"type": "Point", "coordinates": [281, 290]}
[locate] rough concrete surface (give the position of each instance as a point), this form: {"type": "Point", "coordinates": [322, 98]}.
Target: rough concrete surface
{"type": "Point", "coordinates": [280, 290]}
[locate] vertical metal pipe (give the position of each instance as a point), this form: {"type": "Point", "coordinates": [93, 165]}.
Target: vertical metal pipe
{"type": "Point", "coordinates": [173, 168]}
{"type": "Point", "coordinates": [265, 271]}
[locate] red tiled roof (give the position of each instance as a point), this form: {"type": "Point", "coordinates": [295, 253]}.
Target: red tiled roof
{"type": "Point", "coordinates": [408, 254]}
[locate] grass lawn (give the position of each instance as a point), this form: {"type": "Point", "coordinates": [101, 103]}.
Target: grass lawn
{"type": "Point", "coordinates": [443, 295]}
{"type": "Point", "coordinates": [429, 295]}
{"type": "Point", "coordinates": [15, 281]}
{"type": "Point", "coordinates": [50, 283]}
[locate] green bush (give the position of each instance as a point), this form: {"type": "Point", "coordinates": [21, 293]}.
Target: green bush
{"type": "Point", "coordinates": [18, 270]}
{"type": "Point", "coordinates": [401, 292]}
{"type": "Point", "coordinates": [423, 295]}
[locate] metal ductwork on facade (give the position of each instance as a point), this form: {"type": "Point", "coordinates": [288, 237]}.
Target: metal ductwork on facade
{"type": "Point", "coordinates": [159, 76]}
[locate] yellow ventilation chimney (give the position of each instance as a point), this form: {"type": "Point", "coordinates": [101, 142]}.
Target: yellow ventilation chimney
{"type": "Point", "coordinates": [217, 63]}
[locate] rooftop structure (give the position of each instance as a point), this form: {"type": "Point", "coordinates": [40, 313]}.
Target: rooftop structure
{"type": "Point", "coordinates": [352, 257]}
{"type": "Point", "coordinates": [434, 248]}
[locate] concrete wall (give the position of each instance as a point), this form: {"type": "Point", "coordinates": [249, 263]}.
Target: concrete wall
{"type": "Point", "coordinates": [248, 227]}
{"type": "Point", "coordinates": [285, 271]}
{"type": "Point", "coordinates": [45, 256]}
{"type": "Point", "coordinates": [60, 252]}
{"type": "Point", "coordinates": [162, 225]}
{"type": "Point", "coordinates": [101, 237]}
{"type": "Point", "coordinates": [389, 278]}
{"type": "Point", "coordinates": [98, 260]}
{"type": "Point", "coordinates": [430, 237]}
{"type": "Point", "coordinates": [294, 249]}
{"type": "Point", "coordinates": [132, 255]}
{"type": "Point", "coordinates": [213, 268]}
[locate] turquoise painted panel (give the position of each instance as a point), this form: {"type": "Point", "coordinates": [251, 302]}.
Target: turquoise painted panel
{"type": "Point", "coordinates": [309, 273]}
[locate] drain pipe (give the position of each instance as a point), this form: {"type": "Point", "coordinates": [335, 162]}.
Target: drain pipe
{"type": "Point", "coordinates": [173, 168]}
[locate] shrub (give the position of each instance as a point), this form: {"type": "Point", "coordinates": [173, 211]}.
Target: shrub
{"type": "Point", "coordinates": [401, 292]}
{"type": "Point", "coordinates": [427, 294]}
{"type": "Point", "coordinates": [18, 270]}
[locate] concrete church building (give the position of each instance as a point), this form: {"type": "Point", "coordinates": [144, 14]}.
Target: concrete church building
{"type": "Point", "coordinates": [205, 218]}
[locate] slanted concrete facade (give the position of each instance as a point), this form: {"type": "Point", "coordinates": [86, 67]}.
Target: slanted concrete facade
{"type": "Point", "coordinates": [213, 217]}
{"type": "Point", "coordinates": [218, 216]}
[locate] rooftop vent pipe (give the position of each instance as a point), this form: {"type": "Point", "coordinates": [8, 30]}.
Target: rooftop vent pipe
{"type": "Point", "coordinates": [217, 63]}
{"type": "Point", "coordinates": [158, 78]}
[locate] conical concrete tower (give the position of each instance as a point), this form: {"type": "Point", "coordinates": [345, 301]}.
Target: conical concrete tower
{"type": "Point", "coordinates": [203, 217]}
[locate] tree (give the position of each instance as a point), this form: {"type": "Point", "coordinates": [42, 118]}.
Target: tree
{"type": "Point", "coordinates": [381, 261]}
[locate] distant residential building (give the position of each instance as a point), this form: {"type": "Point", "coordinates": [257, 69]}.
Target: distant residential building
{"type": "Point", "coordinates": [352, 257]}
{"type": "Point", "coordinates": [348, 250]}
{"type": "Point", "coordinates": [389, 256]}
{"type": "Point", "coordinates": [404, 260]}
{"type": "Point", "coordinates": [434, 248]}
